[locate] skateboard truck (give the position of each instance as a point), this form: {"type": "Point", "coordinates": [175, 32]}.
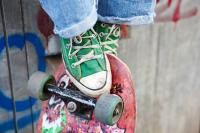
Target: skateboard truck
{"type": "Point", "coordinates": [107, 108]}
{"type": "Point", "coordinates": [75, 101]}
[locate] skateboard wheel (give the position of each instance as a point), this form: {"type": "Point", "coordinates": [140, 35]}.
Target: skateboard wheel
{"type": "Point", "coordinates": [108, 109]}
{"type": "Point", "coordinates": [36, 85]}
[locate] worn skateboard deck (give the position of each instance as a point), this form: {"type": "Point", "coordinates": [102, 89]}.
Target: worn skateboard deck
{"type": "Point", "coordinates": [55, 117]}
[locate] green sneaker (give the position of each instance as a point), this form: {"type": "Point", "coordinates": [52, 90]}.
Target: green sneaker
{"type": "Point", "coordinates": [86, 65]}
{"type": "Point", "coordinates": [109, 35]}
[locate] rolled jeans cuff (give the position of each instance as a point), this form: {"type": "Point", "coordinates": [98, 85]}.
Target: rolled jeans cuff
{"type": "Point", "coordinates": [80, 27]}
{"type": "Point", "coordinates": [146, 17]}
{"type": "Point", "coordinates": [136, 20]}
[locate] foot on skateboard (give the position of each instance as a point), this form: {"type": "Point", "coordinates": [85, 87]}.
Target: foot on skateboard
{"type": "Point", "coordinates": [56, 117]}
{"type": "Point", "coordinates": [86, 64]}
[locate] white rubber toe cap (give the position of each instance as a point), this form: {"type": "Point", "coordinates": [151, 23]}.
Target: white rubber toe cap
{"type": "Point", "coordinates": [95, 81]}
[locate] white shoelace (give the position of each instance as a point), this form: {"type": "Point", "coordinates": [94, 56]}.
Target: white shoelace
{"type": "Point", "coordinates": [87, 57]}
{"type": "Point", "coordinates": [116, 32]}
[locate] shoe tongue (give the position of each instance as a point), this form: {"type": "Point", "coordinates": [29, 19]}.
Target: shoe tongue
{"type": "Point", "coordinates": [94, 65]}
{"type": "Point", "coordinates": [84, 51]}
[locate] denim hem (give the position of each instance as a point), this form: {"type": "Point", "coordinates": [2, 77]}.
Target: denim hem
{"type": "Point", "coordinates": [133, 20]}
{"type": "Point", "coordinates": [136, 20]}
{"type": "Point", "coordinates": [153, 6]}
{"type": "Point", "coordinates": [78, 28]}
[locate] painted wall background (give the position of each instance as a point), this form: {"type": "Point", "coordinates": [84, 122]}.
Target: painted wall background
{"type": "Point", "coordinates": [22, 51]}
{"type": "Point", "coordinates": [164, 58]}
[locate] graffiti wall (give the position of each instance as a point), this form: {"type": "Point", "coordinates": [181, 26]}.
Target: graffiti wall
{"type": "Point", "coordinates": [174, 10]}
{"type": "Point", "coordinates": [19, 104]}
{"type": "Point", "coordinates": [45, 26]}
{"type": "Point", "coordinates": [23, 49]}
{"type": "Point", "coordinates": [164, 58]}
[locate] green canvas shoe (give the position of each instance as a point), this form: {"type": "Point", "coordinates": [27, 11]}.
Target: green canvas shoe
{"type": "Point", "coordinates": [109, 35]}
{"type": "Point", "coordinates": [86, 65]}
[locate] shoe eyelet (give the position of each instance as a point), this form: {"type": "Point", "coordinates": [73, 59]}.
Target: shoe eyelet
{"type": "Point", "coordinates": [101, 34]}
{"type": "Point", "coordinates": [103, 25]}
{"type": "Point", "coordinates": [94, 36]}
{"type": "Point", "coordinates": [77, 39]}
{"type": "Point", "coordinates": [70, 57]}
{"type": "Point", "coordinates": [72, 65]}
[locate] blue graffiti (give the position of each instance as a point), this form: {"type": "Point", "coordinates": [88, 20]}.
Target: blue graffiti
{"type": "Point", "coordinates": [21, 123]}
{"type": "Point", "coordinates": [6, 103]}
{"type": "Point", "coordinates": [18, 41]}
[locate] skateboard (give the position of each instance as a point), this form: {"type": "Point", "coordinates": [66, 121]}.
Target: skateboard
{"type": "Point", "coordinates": [66, 109]}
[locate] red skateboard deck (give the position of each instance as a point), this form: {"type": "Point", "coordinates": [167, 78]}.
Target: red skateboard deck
{"type": "Point", "coordinates": [55, 117]}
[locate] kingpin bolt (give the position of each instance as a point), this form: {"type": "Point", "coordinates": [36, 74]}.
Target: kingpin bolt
{"type": "Point", "coordinates": [71, 107]}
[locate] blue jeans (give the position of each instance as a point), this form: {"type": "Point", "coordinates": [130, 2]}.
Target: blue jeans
{"type": "Point", "coordinates": [73, 17]}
